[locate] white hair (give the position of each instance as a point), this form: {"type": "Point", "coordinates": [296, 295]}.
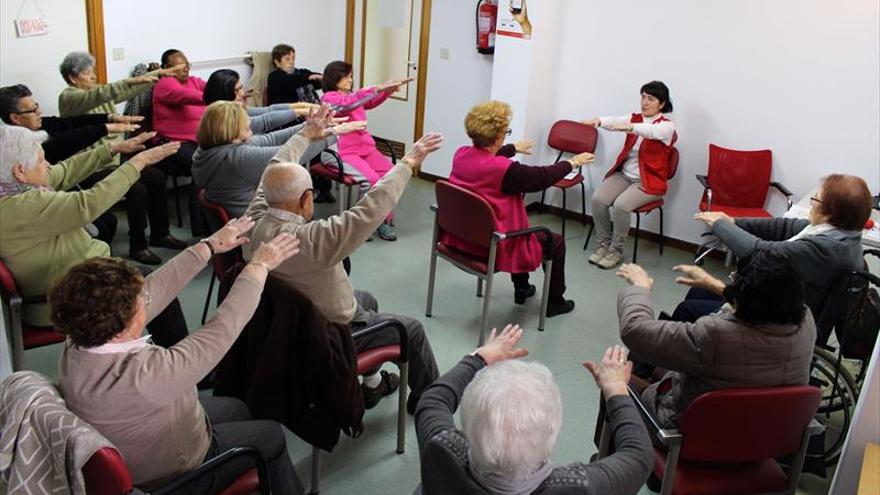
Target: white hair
{"type": "Point", "coordinates": [511, 414]}
{"type": "Point", "coordinates": [18, 145]}
{"type": "Point", "coordinates": [283, 182]}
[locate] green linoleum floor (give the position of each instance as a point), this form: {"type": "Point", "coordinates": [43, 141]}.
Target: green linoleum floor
{"type": "Point", "coordinates": [397, 273]}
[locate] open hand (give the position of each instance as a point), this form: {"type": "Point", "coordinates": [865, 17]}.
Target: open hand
{"type": "Point", "coordinates": [694, 276]}
{"type": "Point", "coordinates": [154, 155]}
{"type": "Point", "coordinates": [316, 77]}
{"type": "Point", "coordinates": [622, 127]}
{"type": "Point", "coordinates": [317, 122]}
{"type": "Point", "coordinates": [131, 145]}
{"type": "Point", "coordinates": [125, 119]}
{"type": "Point", "coordinates": [117, 128]}
{"type": "Point", "coordinates": [502, 346]}
{"type": "Point", "coordinates": [635, 275]}
{"type": "Point", "coordinates": [582, 159]}
{"type": "Point", "coordinates": [710, 217]}
{"type": "Point", "coordinates": [231, 235]}
{"type": "Point", "coordinates": [524, 147]}
{"type": "Point", "coordinates": [273, 253]}
{"type": "Point", "coordinates": [613, 372]}
{"type": "Point", "coordinates": [422, 148]}
{"type": "Point", "coordinates": [593, 122]}
{"type": "Point", "coordinates": [176, 71]}
{"type": "Point", "coordinates": [134, 81]}
{"type": "Point", "coordinates": [392, 85]}
{"type": "Point", "coordinates": [346, 127]}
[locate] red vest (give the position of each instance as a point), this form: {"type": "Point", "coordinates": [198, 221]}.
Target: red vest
{"type": "Point", "coordinates": [653, 159]}
{"type": "Point", "coordinates": [482, 172]}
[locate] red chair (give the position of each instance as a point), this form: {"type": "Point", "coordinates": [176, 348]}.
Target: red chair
{"type": "Point", "coordinates": [106, 473]}
{"type": "Point", "coordinates": [728, 441]}
{"type": "Point", "coordinates": [370, 360]}
{"type": "Point", "coordinates": [467, 216]}
{"type": "Point", "coordinates": [21, 335]}
{"type": "Point", "coordinates": [648, 208]}
{"type": "Point", "coordinates": [345, 181]}
{"type": "Point", "coordinates": [737, 184]}
{"type": "Point", "coordinates": [569, 136]}
{"type": "Point", "coordinates": [217, 217]}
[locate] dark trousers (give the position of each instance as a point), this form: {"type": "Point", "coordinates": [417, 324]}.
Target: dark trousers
{"type": "Point", "coordinates": [557, 272]}
{"type": "Point", "coordinates": [169, 326]}
{"type": "Point", "coordinates": [106, 225]}
{"type": "Point", "coordinates": [422, 365]}
{"type": "Point", "coordinates": [697, 303]}
{"type": "Point", "coordinates": [180, 165]}
{"type": "Point", "coordinates": [232, 426]}
{"type": "Point", "coordinates": [146, 198]}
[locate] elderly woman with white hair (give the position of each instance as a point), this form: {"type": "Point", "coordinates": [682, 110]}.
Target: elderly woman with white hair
{"type": "Point", "coordinates": [42, 224]}
{"type": "Point", "coordinates": [511, 413]}
{"type": "Point", "coordinates": [148, 198]}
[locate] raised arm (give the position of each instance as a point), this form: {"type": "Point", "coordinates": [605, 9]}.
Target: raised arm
{"type": "Point", "coordinates": [742, 242]}
{"type": "Point", "coordinates": [661, 131]}
{"type": "Point", "coordinates": [68, 173]}
{"type": "Point", "coordinates": [170, 92]}
{"type": "Point", "coordinates": [75, 101]}
{"type": "Point", "coordinates": [434, 413]}
{"type": "Point", "coordinates": [268, 120]}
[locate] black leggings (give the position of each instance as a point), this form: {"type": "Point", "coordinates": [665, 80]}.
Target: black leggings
{"type": "Point", "coordinates": [557, 272]}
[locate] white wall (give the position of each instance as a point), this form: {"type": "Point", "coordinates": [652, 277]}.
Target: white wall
{"type": "Point", "coordinates": [456, 84]}
{"type": "Point", "coordinates": [215, 29]}
{"type": "Point", "coordinates": [799, 77]}
{"type": "Point", "coordinates": [34, 61]}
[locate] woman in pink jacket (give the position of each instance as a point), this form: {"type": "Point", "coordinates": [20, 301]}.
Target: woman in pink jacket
{"type": "Point", "coordinates": [358, 148]}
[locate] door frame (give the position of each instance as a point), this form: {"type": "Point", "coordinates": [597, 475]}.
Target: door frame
{"type": "Point", "coordinates": [424, 45]}
{"type": "Point", "coordinates": [95, 28]}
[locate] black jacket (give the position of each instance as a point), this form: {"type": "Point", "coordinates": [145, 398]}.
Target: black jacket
{"type": "Point", "coordinates": [70, 135]}
{"type": "Point", "coordinates": [292, 365]}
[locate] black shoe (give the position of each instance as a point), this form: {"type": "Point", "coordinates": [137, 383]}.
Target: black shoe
{"type": "Point", "coordinates": [325, 197]}
{"type": "Point", "coordinates": [389, 384]}
{"type": "Point", "coordinates": [170, 242]}
{"type": "Point", "coordinates": [521, 294]}
{"type": "Point", "coordinates": [560, 308]}
{"type": "Point", "coordinates": [664, 316]}
{"type": "Point", "coordinates": [146, 257]}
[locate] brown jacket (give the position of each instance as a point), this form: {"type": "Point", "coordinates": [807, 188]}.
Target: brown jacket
{"type": "Point", "coordinates": [145, 401]}
{"type": "Point", "coordinates": [317, 270]}
{"type": "Point", "coordinates": [717, 351]}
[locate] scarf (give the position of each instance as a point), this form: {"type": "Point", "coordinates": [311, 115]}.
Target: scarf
{"type": "Point", "coordinates": [500, 485]}
{"type": "Point", "coordinates": [13, 188]}
{"type": "Point", "coordinates": [812, 230]}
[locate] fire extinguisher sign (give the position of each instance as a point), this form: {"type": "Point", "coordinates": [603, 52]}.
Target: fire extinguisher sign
{"type": "Point", "coordinates": [513, 19]}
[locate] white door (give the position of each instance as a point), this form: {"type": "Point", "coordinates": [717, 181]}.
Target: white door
{"type": "Point", "coordinates": [386, 46]}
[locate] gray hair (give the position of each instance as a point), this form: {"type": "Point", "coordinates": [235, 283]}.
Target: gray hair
{"type": "Point", "coordinates": [18, 145]}
{"type": "Point", "coordinates": [511, 414]}
{"type": "Point", "coordinates": [75, 63]}
{"type": "Point", "coordinates": [283, 182]}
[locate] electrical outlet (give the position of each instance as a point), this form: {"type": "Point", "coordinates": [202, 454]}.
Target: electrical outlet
{"type": "Point", "coordinates": [444, 53]}
{"type": "Point", "coordinates": [119, 54]}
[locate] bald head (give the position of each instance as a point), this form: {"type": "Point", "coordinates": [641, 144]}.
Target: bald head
{"type": "Point", "coordinates": [285, 183]}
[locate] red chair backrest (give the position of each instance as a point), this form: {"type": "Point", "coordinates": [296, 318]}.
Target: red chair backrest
{"type": "Point", "coordinates": [673, 163]}
{"type": "Point", "coordinates": [572, 137]}
{"type": "Point", "coordinates": [105, 473]}
{"type": "Point", "coordinates": [739, 178]}
{"type": "Point", "coordinates": [464, 214]}
{"type": "Point", "coordinates": [217, 215]}
{"type": "Point", "coordinates": [747, 424]}
{"type": "Point", "coordinates": [7, 280]}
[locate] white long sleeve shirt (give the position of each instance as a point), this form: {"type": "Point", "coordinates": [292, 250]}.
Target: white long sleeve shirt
{"type": "Point", "coordinates": [663, 131]}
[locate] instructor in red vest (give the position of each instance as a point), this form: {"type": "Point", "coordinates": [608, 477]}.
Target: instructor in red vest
{"type": "Point", "coordinates": [639, 174]}
{"type": "Point", "coordinates": [486, 168]}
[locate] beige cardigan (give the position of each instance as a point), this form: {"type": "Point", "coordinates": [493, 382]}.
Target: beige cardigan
{"type": "Point", "coordinates": [317, 270]}
{"type": "Point", "coordinates": [145, 401]}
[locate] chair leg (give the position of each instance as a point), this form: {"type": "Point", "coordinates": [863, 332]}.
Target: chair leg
{"type": "Point", "coordinates": [583, 204]}
{"type": "Point", "coordinates": [661, 230]}
{"type": "Point", "coordinates": [208, 299]}
{"type": "Point", "coordinates": [545, 293]}
{"type": "Point", "coordinates": [541, 208]}
{"type": "Point", "coordinates": [484, 323]}
{"type": "Point", "coordinates": [564, 211]}
{"type": "Point", "coordinates": [175, 186]}
{"type": "Point", "coordinates": [636, 244]}
{"type": "Point", "coordinates": [669, 469]}
{"type": "Point", "coordinates": [343, 197]}
{"type": "Point", "coordinates": [589, 234]}
{"type": "Point", "coordinates": [316, 471]}
{"type": "Point", "coordinates": [431, 277]}
{"type": "Point", "coordinates": [479, 287]}
{"type": "Point", "coordinates": [401, 407]}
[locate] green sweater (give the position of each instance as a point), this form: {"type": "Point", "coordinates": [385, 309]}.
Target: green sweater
{"type": "Point", "coordinates": [41, 232]}
{"type": "Point", "coordinates": [102, 99]}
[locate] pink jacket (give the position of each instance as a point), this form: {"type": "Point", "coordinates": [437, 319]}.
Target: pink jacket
{"type": "Point", "coordinates": [359, 141]}
{"type": "Point", "coordinates": [178, 108]}
{"type": "Point", "coordinates": [482, 172]}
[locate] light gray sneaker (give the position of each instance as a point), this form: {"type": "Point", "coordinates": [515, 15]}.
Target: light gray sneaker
{"type": "Point", "coordinates": [598, 254]}
{"type": "Point", "coordinates": [613, 258]}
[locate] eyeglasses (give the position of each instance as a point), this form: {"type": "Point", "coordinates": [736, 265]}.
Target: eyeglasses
{"type": "Point", "coordinates": [33, 110]}
{"type": "Point", "coordinates": [814, 199]}
{"type": "Point", "coordinates": [508, 132]}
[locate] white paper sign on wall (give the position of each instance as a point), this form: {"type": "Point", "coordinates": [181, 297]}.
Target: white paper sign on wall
{"type": "Point", "coordinates": [31, 26]}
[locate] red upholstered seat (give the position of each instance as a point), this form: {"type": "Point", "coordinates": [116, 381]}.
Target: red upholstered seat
{"type": "Point", "coordinates": [373, 358]}
{"type": "Point", "coordinates": [332, 173]}
{"type": "Point", "coordinates": [248, 482]}
{"type": "Point", "coordinates": [105, 473]}
{"type": "Point", "coordinates": [723, 479]}
{"type": "Point", "coordinates": [40, 336]}
{"type": "Point", "coordinates": [737, 211]}
{"type": "Point", "coordinates": [566, 183]}
{"type": "Point", "coordinates": [473, 262]}
{"type": "Point", "coordinates": [648, 207]}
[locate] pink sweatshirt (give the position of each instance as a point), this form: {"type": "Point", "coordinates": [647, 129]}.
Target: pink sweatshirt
{"type": "Point", "coordinates": [358, 141]}
{"type": "Point", "coordinates": [178, 108]}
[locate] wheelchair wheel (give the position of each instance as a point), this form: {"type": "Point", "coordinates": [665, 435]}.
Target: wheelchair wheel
{"type": "Point", "coordinates": [839, 396]}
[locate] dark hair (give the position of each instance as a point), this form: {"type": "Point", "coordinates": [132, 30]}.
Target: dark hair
{"type": "Point", "coordinates": [95, 300]}
{"type": "Point", "coordinates": [767, 288]}
{"type": "Point", "coordinates": [846, 201]}
{"type": "Point", "coordinates": [333, 73]}
{"type": "Point", "coordinates": [281, 50]}
{"type": "Point", "coordinates": [658, 90]}
{"type": "Point", "coordinates": [167, 55]}
{"type": "Point", "coordinates": [9, 98]}
{"type": "Point", "coordinates": [221, 86]}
